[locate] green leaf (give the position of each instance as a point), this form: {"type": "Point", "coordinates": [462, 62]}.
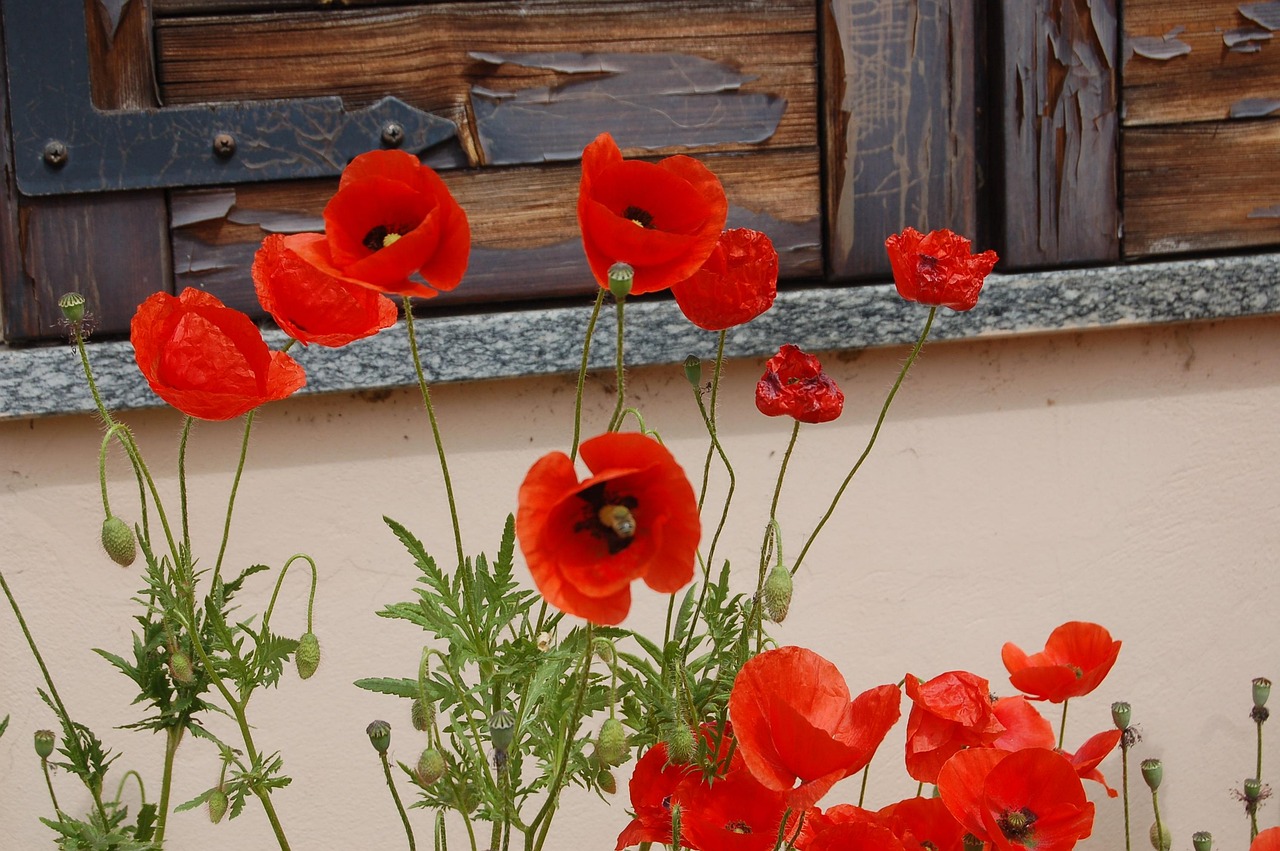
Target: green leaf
{"type": "Point", "coordinates": [4, 725]}
{"type": "Point", "coordinates": [389, 685]}
{"type": "Point", "coordinates": [194, 802]}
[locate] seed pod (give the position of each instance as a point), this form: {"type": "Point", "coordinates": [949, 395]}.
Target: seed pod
{"type": "Point", "coordinates": [44, 741]}
{"type": "Point", "coordinates": [1153, 773]}
{"type": "Point", "coordinates": [118, 541]}
{"type": "Point", "coordinates": [379, 733]}
{"type": "Point", "coordinates": [502, 729]}
{"type": "Point", "coordinates": [430, 768]}
{"type": "Point", "coordinates": [1121, 713]}
{"type": "Point", "coordinates": [307, 656]}
{"type": "Point", "coordinates": [1202, 840]}
{"type": "Point", "coordinates": [72, 306]}
{"type": "Point", "coordinates": [217, 803]}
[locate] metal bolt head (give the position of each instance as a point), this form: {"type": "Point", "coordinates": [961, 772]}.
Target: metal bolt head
{"type": "Point", "coordinates": [55, 154]}
{"type": "Point", "coordinates": [392, 134]}
{"type": "Point", "coordinates": [224, 145]}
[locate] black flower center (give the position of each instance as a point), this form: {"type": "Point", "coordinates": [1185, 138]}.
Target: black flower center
{"type": "Point", "coordinates": [738, 827]}
{"type": "Point", "coordinates": [1016, 825]}
{"type": "Point", "coordinates": [640, 216]}
{"type": "Point", "coordinates": [380, 237]}
{"type": "Point", "coordinates": [608, 517]}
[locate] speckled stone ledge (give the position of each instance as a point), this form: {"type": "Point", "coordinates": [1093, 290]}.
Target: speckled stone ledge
{"type": "Point", "coordinates": [43, 381]}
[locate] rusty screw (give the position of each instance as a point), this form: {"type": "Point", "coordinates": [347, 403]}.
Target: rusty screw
{"type": "Point", "coordinates": [392, 134]}
{"type": "Point", "coordinates": [55, 154]}
{"type": "Point", "coordinates": [224, 146]}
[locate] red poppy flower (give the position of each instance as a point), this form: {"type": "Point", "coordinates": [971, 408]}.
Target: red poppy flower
{"type": "Point", "coordinates": [636, 517]}
{"type": "Point", "coordinates": [949, 712]}
{"type": "Point", "coordinates": [208, 360]}
{"type": "Point", "coordinates": [1267, 840]}
{"type": "Point", "coordinates": [1090, 754]}
{"type": "Point", "coordinates": [313, 307]}
{"type": "Point", "coordinates": [1076, 658]}
{"type": "Point", "coordinates": [653, 793]}
{"type": "Point", "coordinates": [923, 823]}
{"type": "Point", "coordinates": [392, 217]}
{"type": "Point", "coordinates": [734, 813]}
{"type": "Point", "coordinates": [662, 218]}
{"type": "Point", "coordinates": [1028, 799]}
{"type": "Point", "coordinates": [738, 282]}
{"type": "Point", "coordinates": [1024, 726]}
{"type": "Point", "coordinates": [860, 835]}
{"type": "Point", "coordinates": [938, 268]}
{"type": "Point", "coordinates": [794, 384]}
{"type": "Point", "coordinates": [793, 720]}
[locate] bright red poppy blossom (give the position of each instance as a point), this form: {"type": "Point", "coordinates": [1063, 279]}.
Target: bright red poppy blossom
{"type": "Point", "coordinates": [859, 835]}
{"type": "Point", "coordinates": [313, 307]}
{"type": "Point", "coordinates": [1267, 840]}
{"type": "Point", "coordinates": [206, 359]}
{"type": "Point", "coordinates": [1075, 660]}
{"type": "Point", "coordinates": [391, 218]}
{"type": "Point", "coordinates": [738, 282]}
{"type": "Point", "coordinates": [654, 784]}
{"type": "Point", "coordinates": [923, 823]}
{"type": "Point", "coordinates": [793, 719]}
{"type": "Point", "coordinates": [938, 268]}
{"type": "Point", "coordinates": [949, 712]}
{"type": "Point", "coordinates": [795, 385]}
{"type": "Point", "coordinates": [636, 517]}
{"type": "Point", "coordinates": [733, 813]}
{"type": "Point", "coordinates": [1090, 754]}
{"type": "Point", "coordinates": [1027, 799]}
{"type": "Point", "coordinates": [1024, 726]}
{"type": "Point", "coordinates": [662, 218]}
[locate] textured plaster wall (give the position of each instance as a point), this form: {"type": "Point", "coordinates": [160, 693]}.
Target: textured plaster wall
{"type": "Point", "coordinates": [1125, 476]}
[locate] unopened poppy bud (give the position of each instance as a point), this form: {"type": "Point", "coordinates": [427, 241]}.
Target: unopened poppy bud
{"type": "Point", "coordinates": [1121, 712]}
{"type": "Point", "coordinates": [693, 371]}
{"type": "Point", "coordinates": [1161, 837]}
{"type": "Point", "coordinates": [602, 649]}
{"type": "Point", "coordinates": [72, 306]}
{"type": "Point", "coordinates": [611, 745]}
{"type": "Point", "coordinates": [217, 803]}
{"type": "Point", "coordinates": [45, 740]}
{"type": "Point", "coordinates": [681, 746]}
{"type": "Point", "coordinates": [1153, 773]}
{"type": "Point", "coordinates": [430, 768]}
{"type": "Point", "coordinates": [422, 713]}
{"type": "Point", "coordinates": [502, 729]}
{"type": "Point", "coordinates": [379, 733]}
{"type": "Point", "coordinates": [180, 668]}
{"type": "Point", "coordinates": [118, 541]}
{"type": "Point", "coordinates": [621, 276]}
{"type": "Point", "coordinates": [1261, 691]}
{"type": "Point", "coordinates": [1202, 840]}
{"type": "Point", "coordinates": [307, 655]}
{"type": "Point", "coordinates": [776, 595]}
{"type": "Point", "coordinates": [607, 782]}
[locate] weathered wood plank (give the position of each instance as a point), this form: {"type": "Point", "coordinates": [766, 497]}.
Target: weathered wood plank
{"type": "Point", "coordinates": [111, 248]}
{"type": "Point", "coordinates": [525, 243]}
{"type": "Point", "coordinates": [900, 128]}
{"type": "Point", "coordinates": [1201, 187]}
{"type": "Point", "coordinates": [1058, 132]}
{"type": "Point", "coordinates": [12, 282]}
{"type": "Point", "coordinates": [1197, 60]}
{"type": "Point", "coordinates": [528, 82]}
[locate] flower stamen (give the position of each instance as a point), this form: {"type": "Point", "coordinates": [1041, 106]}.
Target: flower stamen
{"type": "Point", "coordinates": [640, 217]}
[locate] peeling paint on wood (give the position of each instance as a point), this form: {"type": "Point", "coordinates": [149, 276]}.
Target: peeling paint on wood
{"type": "Point", "coordinates": [1243, 37]}
{"type": "Point", "coordinates": [1265, 14]}
{"type": "Point", "coordinates": [1059, 132]}
{"type": "Point", "coordinates": [1272, 212]}
{"type": "Point", "coordinates": [1254, 107]}
{"type": "Point", "coordinates": [1160, 48]}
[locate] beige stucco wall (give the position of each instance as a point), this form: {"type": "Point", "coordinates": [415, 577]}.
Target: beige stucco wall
{"type": "Point", "coordinates": [1123, 476]}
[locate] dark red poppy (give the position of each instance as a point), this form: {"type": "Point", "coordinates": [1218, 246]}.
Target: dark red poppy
{"type": "Point", "coordinates": [313, 307]}
{"type": "Point", "coordinates": [636, 517]}
{"type": "Point", "coordinates": [1028, 799]}
{"type": "Point", "coordinates": [949, 712]}
{"type": "Point", "coordinates": [208, 360]}
{"type": "Point", "coordinates": [938, 268]}
{"type": "Point", "coordinates": [738, 282]}
{"type": "Point", "coordinates": [1024, 726]}
{"type": "Point", "coordinates": [793, 720]}
{"type": "Point", "coordinates": [391, 218]}
{"type": "Point", "coordinates": [662, 218]}
{"type": "Point", "coordinates": [923, 823]}
{"type": "Point", "coordinates": [732, 813]}
{"type": "Point", "coordinates": [859, 835]}
{"type": "Point", "coordinates": [1075, 660]}
{"type": "Point", "coordinates": [795, 385]}
{"type": "Point", "coordinates": [1267, 840]}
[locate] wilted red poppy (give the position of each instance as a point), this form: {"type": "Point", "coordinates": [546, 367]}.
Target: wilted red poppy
{"type": "Point", "coordinates": [1267, 840]}
{"type": "Point", "coordinates": [793, 720]}
{"type": "Point", "coordinates": [392, 217]}
{"type": "Point", "coordinates": [795, 385]}
{"type": "Point", "coordinates": [733, 813]}
{"type": "Point", "coordinates": [923, 823]}
{"type": "Point", "coordinates": [208, 360]}
{"type": "Point", "coordinates": [949, 712]}
{"type": "Point", "coordinates": [938, 268]}
{"type": "Point", "coordinates": [636, 517]}
{"type": "Point", "coordinates": [662, 218]}
{"type": "Point", "coordinates": [1076, 658]}
{"type": "Point", "coordinates": [313, 307]}
{"type": "Point", "coordinates": [738, 282]}
{"type": "Point", "coordinates": [1028, 799]}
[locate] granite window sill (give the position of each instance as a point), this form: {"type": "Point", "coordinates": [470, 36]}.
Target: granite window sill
{"type": "Point", "coordinates": [45, 381]}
